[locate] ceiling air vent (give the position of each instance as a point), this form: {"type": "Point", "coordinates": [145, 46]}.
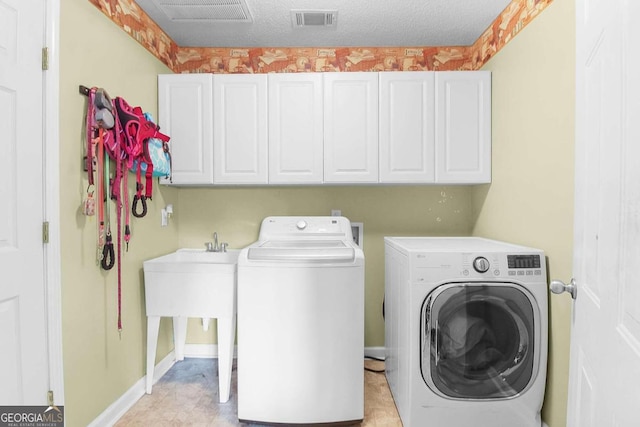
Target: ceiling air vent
{"type": "Point", "coordinates": [206, 10]}
{"type": "Point", "coordinates": [314, 18]}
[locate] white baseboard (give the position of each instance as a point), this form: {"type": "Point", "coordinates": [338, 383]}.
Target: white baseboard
{"type": "Point", "coordinates": [205, 351]}
{"type": "Point", "coordinates": [377, 352]}
{"type": "Point", "coordinates": [118, 408]}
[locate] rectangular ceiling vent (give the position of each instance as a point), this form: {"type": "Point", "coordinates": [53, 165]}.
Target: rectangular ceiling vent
{"type": "Point", "coordinates": [314, 18]}
{"type": "Point", "coordinates": [206, 10]}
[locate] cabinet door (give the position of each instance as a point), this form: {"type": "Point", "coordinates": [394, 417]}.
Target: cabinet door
{"type": "Point", "coordinates": [295, 128]}
{"type": "Point", "coordinates": [350, 127]}
{"type": "Point", "coordinates": [240, 129]}
{"type": "Point", "coordinates": [463, 127]}
{"type": "Point", "coordinates": [407, 127]}
{"type": "Point", "coordinates": [184, 113]}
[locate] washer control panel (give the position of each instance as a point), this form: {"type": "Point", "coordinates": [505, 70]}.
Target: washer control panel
{"type": "Point", "coordinates": [316, 227]}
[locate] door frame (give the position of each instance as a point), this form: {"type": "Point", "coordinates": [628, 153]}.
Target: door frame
{"type": "Point", "coordinates": [51, 202]}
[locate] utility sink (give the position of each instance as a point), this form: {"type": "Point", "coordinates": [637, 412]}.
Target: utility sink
{"type": "Point", "coordinates": [192, 283]}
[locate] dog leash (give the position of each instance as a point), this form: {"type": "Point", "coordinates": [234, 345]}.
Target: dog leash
{"type": "Point", "coordinates": [118, 188]}
{"type": "Point", "coordinates": [108, 259]}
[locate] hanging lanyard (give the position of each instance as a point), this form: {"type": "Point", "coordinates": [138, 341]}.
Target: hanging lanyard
{"type": "Point", "coordinates": [100, 194]}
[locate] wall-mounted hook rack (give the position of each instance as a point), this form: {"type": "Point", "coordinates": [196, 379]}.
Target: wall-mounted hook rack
{"type": "Point", "coordinates": [84, 90]}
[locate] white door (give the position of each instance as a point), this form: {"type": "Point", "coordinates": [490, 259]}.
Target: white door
{"type": "Point", "coordinates": [407, 127]}
{"type": "Point", "coordinates": [240, 129]}
{"type": "Point", "coordinates": [463, 127]}
{"type": "Point", "coordinates": [24, 369]}
{"type": "Point", "coordinates": [605, 337]}
{"type": "Point", "coordinates": [185, 113]}
{"type": "Point", "coordinates": [350, 127]}
{"type": "Point", "coordinates": [295, 128]}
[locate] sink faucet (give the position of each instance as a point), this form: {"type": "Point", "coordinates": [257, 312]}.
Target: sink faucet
{"type": "Point", "coordinates": [214, 246]}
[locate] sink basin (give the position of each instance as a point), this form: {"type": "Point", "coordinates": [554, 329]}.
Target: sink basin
{"type": "Point", "coordinates": [198, 260]}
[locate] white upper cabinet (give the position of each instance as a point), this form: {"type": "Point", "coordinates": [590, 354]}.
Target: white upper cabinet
{"type": "Point", "coordinates": [350, 127]}
{"type": "Point", "coordinates": [463, 127]}
{"type": "Point", "coordinates": [240, 129]}
{"type": "Point", "coordinates": [407, 127]}
{"type": "Point", "coordinates": [184, 113]}
{"type": "Point", "coordinates": [295, 128]}
{"type": "Point", "coordinates": [328, 128]}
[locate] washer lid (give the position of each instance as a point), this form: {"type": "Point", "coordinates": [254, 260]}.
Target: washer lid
{"type": "Point", "coordinates": [302, 250]}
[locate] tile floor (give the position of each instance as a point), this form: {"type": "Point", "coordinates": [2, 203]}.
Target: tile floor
{"type": "Point", "coordinates": [187, 395]}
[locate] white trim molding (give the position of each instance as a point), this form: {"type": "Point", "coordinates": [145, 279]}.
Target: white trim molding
{"type": "Point", "coordinates": [204, 351]}
{"type": "Point", "coordinates": [51, 185]}
{"type": "Point", "coordinates": [375, 352]}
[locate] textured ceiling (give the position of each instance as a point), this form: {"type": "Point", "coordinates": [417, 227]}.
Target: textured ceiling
{"type": "Point", "coordinates": [377, 23]}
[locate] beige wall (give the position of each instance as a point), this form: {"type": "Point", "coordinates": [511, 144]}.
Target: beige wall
{"type": "Point", "coordinates": [99, 366]}
{"type": "Point", "coordinates": [236, 213]}
{"type": "Point", "coordinates": [530, 200]}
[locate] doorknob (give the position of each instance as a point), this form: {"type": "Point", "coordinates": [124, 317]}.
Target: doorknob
{"type": "Point", "coordinates": [558, 287]}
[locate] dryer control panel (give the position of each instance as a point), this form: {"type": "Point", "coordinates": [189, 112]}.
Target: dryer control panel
{"type": "Point", "coordinates": [432, 267]}
{"type": "Point", "coordinates": [500, 265]}
{"type": "Point", "coordinates": [434, 260]}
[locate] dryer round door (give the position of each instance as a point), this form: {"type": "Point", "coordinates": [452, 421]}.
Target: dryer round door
{"type": "Point", "coordinates": [479, 340]}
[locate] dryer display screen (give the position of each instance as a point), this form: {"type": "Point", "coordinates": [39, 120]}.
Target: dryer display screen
{"type": "Point", "coordinates": [523, 261]}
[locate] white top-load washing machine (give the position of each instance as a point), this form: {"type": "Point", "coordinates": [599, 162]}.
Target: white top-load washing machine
{"type": "Point", "coordinates": [301, 323]}
{"type": "Point", "coordinates": [465, 331]}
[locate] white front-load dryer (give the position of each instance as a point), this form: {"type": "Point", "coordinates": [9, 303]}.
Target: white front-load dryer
{"type": "Point", "coordinates": [465, 331]}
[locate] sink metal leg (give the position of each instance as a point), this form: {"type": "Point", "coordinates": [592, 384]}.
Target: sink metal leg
{"type": "Point", "coordinates": [226, 337]}
{"type": "Point", "coordinates": [153, 326]}
{"type": "Point", "coordinates": [179, 336]}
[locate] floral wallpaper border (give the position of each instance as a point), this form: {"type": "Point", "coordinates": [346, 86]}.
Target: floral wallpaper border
{"type": "Point", "coordinates": [132, 19]}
